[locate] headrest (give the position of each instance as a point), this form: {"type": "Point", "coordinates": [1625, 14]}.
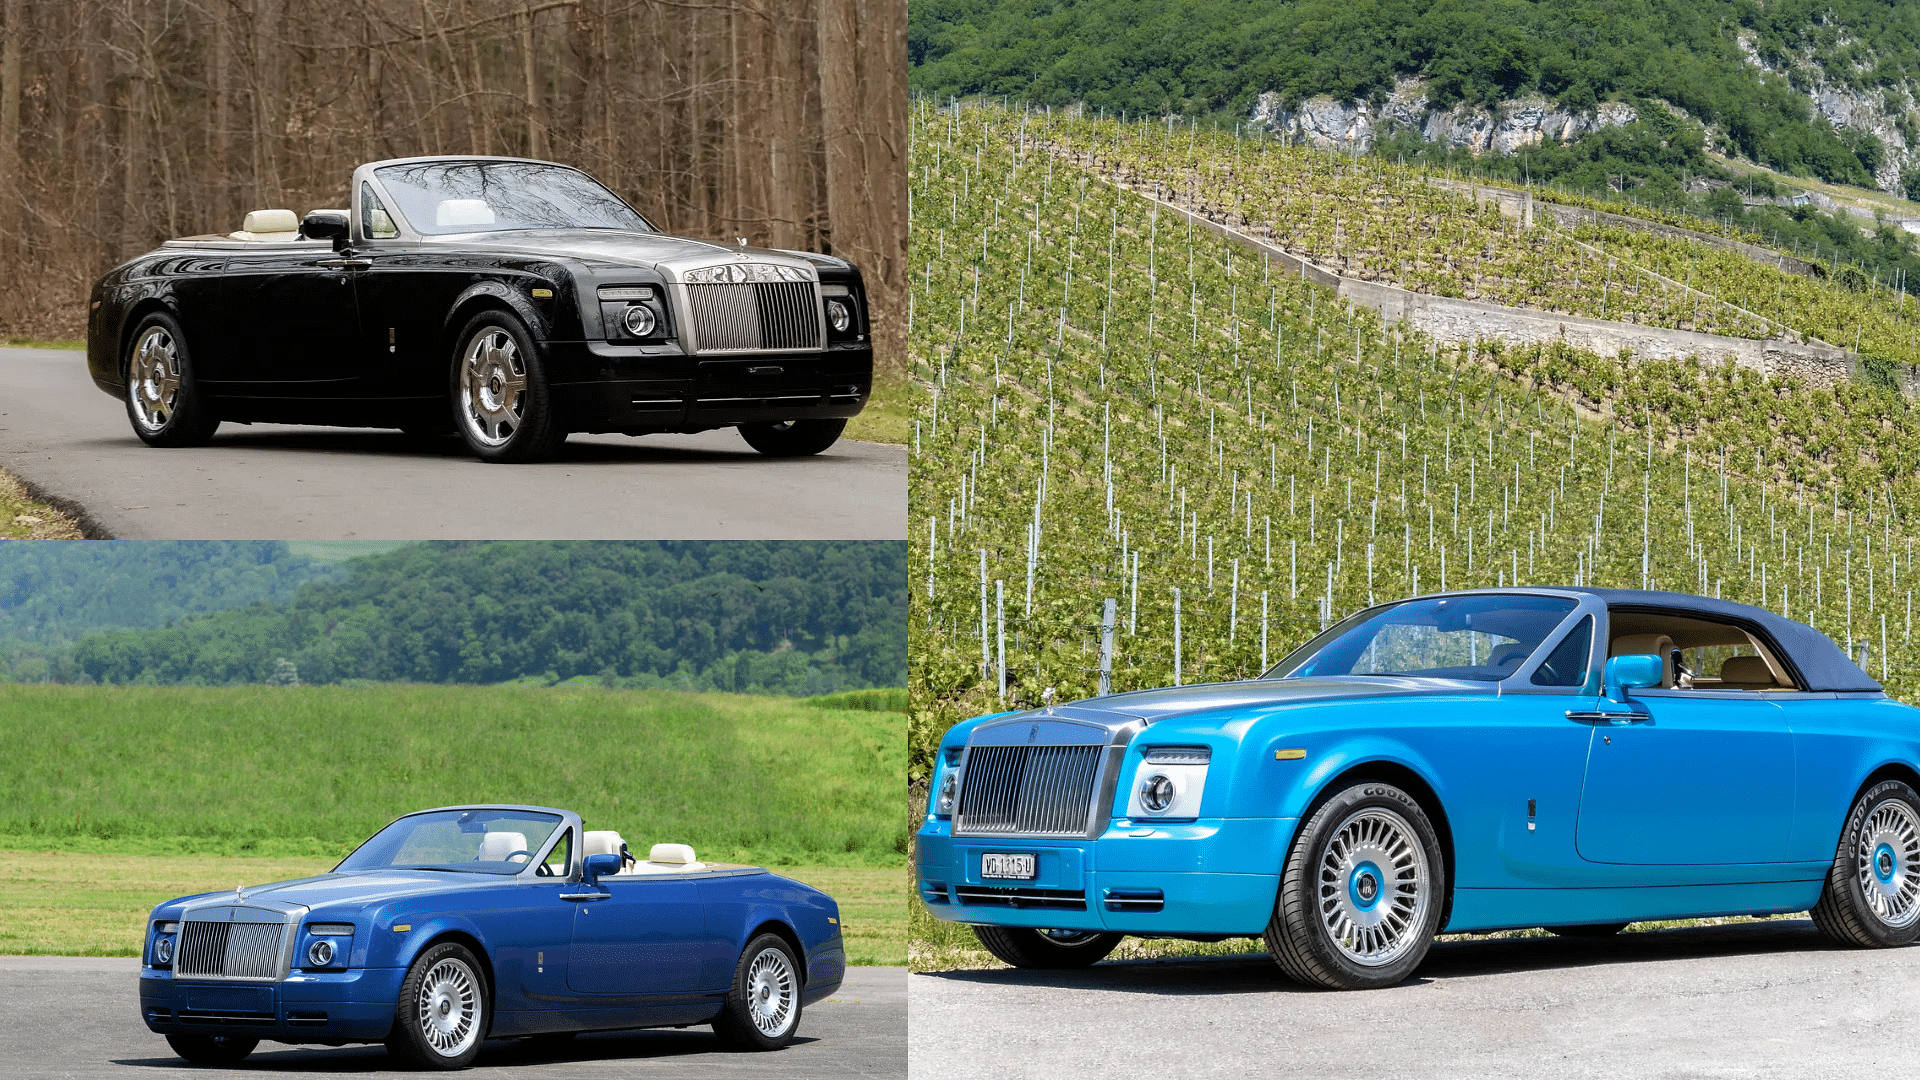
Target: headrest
{"type": "Point", "coordinates": [1746, 669]}
{"type": "Point", "coordinates": [496, 846]}
{"type": "Point", "coordinates": [605, 842]}
{"type": "Point", "coordinates": [463, 212]}
{"type": "Point", "coordinates": [676, 854]}
{"type": "Point", "coordinates": [1659, 645]}
{"type": "Point", "coordinates": [1510, 653]}
{"type": "Point", "coordinates": [270, 221]}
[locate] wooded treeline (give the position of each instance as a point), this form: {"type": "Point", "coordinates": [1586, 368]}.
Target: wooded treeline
{"type": "Point", "coordinates": [123, 122]}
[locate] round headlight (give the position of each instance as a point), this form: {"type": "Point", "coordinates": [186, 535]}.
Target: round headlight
{"type": "Point", "coordinates": [320, 953]}
{"type": "Point", "coordinates": [839, 315]}
{"type": "Point", "coordinates": [639, 320]}
{"type": "Point", "coordinates": [949, 793]}
{"type": "Point", "coordinates": [1157, 793]}
{"type": "Point", "coordinates": [163, 950]}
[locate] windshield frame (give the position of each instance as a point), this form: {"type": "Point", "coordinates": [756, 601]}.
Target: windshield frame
{"type": "Point", "coordinates": [567, 820]}
{"type": "Point", "coordinates": [1518, 681]}
{"type": "Point", "coordinates": [368, 175]}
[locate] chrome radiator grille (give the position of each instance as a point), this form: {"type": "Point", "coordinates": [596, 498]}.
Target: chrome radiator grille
{"type": "Point", "coordinates": [225, 950]}
{"type": "Point", "coordinates": [755, 315]}
{"type": "Point", "coordinates": [1027, 790]}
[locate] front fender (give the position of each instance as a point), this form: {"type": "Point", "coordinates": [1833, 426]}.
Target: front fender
{"type": "Point", "coordinates": [389, 946]}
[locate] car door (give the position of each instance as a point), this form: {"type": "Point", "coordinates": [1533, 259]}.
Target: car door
{"type": "Point", "coordinates": [644, 936]}
{"type": "Point", "coordinates": [1687, 777]}
{"type": "Point", "coordinates": [289, 325]}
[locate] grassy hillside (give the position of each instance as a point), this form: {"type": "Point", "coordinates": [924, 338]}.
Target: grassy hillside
{"type": "Point", "coordinates": [1114, 406]}
{"type": "Point", "coordinates": [311, 771]}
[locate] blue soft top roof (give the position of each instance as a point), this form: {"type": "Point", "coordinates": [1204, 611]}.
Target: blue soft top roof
{"type": "Point", "coordinates": [1820, 663]}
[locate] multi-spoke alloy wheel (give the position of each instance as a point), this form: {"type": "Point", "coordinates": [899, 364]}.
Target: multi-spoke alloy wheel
{"type": "Point", "coordinates": [771, 993]}
{"type": "Point", "coordinates": [499, 391]}
{"type": "Point", "coordinates": [1360, 894]}
{"type": "Point", "coordinates": [1374, 887]}
{"type": "Point", "coordinates": [441, 1016]}
{"type": "Point", "coordinates": [1872, 896]}
{"type": "Point", "coordinates": [448, 1008]}
{"type": "Point", "coordinates": [763, 1010]}
{"type": "Point", "coordinates": [162, 404]}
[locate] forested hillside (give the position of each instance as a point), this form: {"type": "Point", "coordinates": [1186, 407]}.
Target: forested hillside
{"type": "Point", "coordinates": [52, 593]}
{"type": "Point", "coordinates": [1744, 68]}
{"type": "Point", "coordinates": [763, 617]}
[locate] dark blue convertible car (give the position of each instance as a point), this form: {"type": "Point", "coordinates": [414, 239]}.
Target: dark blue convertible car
{"type": "Point", "coordinates": [1576, 759]}
{"type": "Point", "coordinates": [456, 925]}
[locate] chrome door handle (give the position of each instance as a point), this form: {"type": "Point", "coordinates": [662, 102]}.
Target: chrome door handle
{"type": "Point", "coordinates": [585, 895]}
{"type": "Point", "coordinates": [346, 264]}
{"type": "Point", "coordinates": [1607, 717]}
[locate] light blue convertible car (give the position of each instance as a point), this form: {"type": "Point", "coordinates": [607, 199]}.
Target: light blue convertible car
{"type": "Point", "coordinates": [1570, 758]}
{"type": "Point", "coordinates": [465, 923]}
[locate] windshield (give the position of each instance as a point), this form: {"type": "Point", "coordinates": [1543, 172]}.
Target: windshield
{"type": "Point", "coordinates": [471, 841]}
{"type": "Point", "coordinates": [440, 197]}
{"type": "Point", "coordinates": [1478, 638]}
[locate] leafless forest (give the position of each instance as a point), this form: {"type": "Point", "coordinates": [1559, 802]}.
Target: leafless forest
{"type": "Point", "coordinates": [123, 122]}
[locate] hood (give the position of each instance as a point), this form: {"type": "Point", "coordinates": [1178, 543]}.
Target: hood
{"type": "Point", "coordinates": [355, 887]}
{"type": "Point", "coordinates": [1152, 706]}
{"type": "Point", "coordinates": [612, 248]}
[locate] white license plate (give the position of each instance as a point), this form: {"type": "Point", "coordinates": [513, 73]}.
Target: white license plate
{"type": "Point", "coordinates": [994, 865]}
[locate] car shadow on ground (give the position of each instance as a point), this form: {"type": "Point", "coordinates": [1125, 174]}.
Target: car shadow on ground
{"type": "Point", "coordinates": [578, 450]}
{"type": "Point", "coordinates": [1450, 958]}
{"type": "Point", "coordinates": [597, 1048]}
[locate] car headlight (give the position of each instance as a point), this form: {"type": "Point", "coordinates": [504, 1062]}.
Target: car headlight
{"type": "Point", "coordinates": [639, 320]}
{"type": "Point", "coordinates": [163, 951]}
{"type": "Point", "coordinates": [320, 953]}
{"type": "Point", "coordinates": [839, 315]}
{"type": "Point", "coordinates": [949, 794]}
{"type": "Point", "coordinates": [1169, 781]}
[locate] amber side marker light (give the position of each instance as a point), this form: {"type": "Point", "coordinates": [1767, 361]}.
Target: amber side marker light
{"type": "Point", "coordinates": [1289, 755]}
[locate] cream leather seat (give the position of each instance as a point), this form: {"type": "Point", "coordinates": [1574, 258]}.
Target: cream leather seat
{"type": "Point", "coordinates": [1746, 673]}
{"type": "Point", "coordinates": [668, 859]}
{"type": "Point", "coordinates": [1507, 654]}
{"type": "Point", "coordinates": [496, 846]}
{"type": "Point", "coordinates": [1644, 644]}
{"type": "Point", "coordinates": [605, 842]}
{"type": "Point", "coordinates": [269, 227]}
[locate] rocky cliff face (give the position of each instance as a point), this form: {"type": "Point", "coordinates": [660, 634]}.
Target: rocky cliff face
{"type": "Point", "coordinates": [1880, 114]}
{"type": "Point", "coordinates": [1517, 124]}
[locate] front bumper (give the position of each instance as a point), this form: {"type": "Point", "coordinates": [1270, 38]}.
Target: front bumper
{"type": "Point", "coordinates": [603, 387]}
{"type": "Point", "coordinates": [348, 1006]}
{"type": "Point", "coordinates": [1212, 876]}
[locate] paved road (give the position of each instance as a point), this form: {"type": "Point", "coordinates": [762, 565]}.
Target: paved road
{"type": "Point", "coordinates": [80, 1017]}
{"type": "Point", "coordinates": [70, 441]}
{"type": "Point", "coordinates": [1745, 1000]}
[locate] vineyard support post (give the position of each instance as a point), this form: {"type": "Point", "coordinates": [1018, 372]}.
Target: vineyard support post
{"type": "Point", "coordinates": [1176, 635]}
{"type": "Point", "coordinates": [1106, 647]}
{"type": "Point", "coordinates": [1000, 632]}
{"type": "Point", "coordinates": [986, 657]}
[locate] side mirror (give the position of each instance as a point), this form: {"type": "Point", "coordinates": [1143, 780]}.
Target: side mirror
{"type": "Point", "coordinates": [325, 225]}
{"type": "Point", "coordinates": [599, 866]}
{"type": "Point", "coordinates": [1625, 672]}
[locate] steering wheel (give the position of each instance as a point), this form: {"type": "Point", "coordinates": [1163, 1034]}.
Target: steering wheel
{"type": "Point", "coordinates": [508, 857]}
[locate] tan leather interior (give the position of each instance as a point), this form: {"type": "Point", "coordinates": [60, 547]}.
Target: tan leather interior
{"type": "Point", "coordinates": [1746, 673]}
{"type": "Point", "coordinates": [269, 227]}
{"type": "Point", "coordinates": [1647, 644]}
{"type": "Point", "coordinates": [496, 846]}
{"type": "Point", "coordinates": [1507, 654]}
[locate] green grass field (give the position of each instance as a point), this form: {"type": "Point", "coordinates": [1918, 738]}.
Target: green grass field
{"type": "Point", "coordinates": [56, 903]}
{"type": "Point", "coordinates": [311, 771]}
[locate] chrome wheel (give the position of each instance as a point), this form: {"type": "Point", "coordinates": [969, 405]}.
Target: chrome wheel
{"type": "Point", "coordinates": [1373, 887]}
{"type": "Point", "coordinates": [153, 378]}
{"type": "Point", "coordinates": [1886, 859]}
{"type": "Point", "coordinates": [772, 992]}
{"type": "Point", "coordinates": [493, 387]}
{"type": "Point", "coordinates": [448, 1008]}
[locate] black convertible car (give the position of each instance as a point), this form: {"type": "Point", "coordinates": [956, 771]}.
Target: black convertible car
{"type": "Point", "coordinates": [515, 300]}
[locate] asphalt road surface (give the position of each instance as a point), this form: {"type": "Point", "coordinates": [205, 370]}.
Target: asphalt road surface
{"type": "Point", "coordinates": [72, 442]}
{"type": "Point", "coordinates": [80, 1017]}
{"type": "Point", "coordinates": [1749, 999]}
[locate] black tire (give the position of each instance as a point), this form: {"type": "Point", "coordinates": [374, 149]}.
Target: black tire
{"type": "Point", "coordinates": [161, 397]}
{"type": "Point", "coordinates": [1592, 930]}
{"type": "Point", "coordinates": [443, 1012]}
{"type": "Point", "coordinates": [212, 1049]}
{"type": "Point", "coordinates": [1025, 948]}
{"type": "Point", "coordinates": [1377, 823]}
{"type": "Point", "coordinates": [762, 1011]}
{"type": "Point", "coordinates": [498, 389]}
{"type": "Point", "coordinates": [1872, 896]}
{"type": "Point", "coordinates": [793, 438]}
